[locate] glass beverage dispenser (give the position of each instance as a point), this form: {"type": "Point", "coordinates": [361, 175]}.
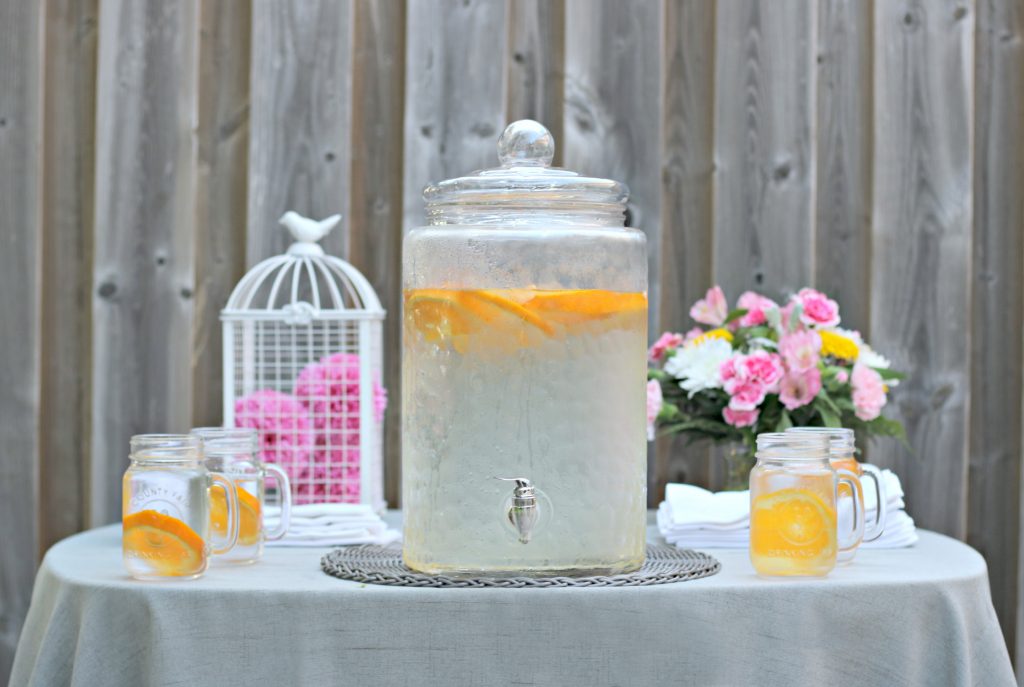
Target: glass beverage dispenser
{"type": "Point", "coordinates": [524, 371]}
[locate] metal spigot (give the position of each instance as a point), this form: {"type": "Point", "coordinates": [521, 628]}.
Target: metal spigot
{"type": "Point", "coordinates": [525, 510]}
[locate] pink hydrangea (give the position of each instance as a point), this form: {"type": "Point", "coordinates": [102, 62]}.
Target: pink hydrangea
{"type": "Point", "coordinates": [818, 309]}
{"type": "Point", "coordinates": [740, 418]}
{"type": "Point", "coordinates": [654, 403]}
{"type": "Point", "coordinates": [665, 342]}
{"type": "Point", "coordinates": [712, 309]}
{"type": "Point", "coordinates": [756, 306]}
{"type": "Point", "coordinates": [800, 350]}
{"type": "Point", "coordinates": [868, 392]}
{"type": "Point", "coordinates": [800, 388]}
{"type": "Point", "coordinates": [329, 389]}
{"type": "Point", "coordinates": [284, 427]}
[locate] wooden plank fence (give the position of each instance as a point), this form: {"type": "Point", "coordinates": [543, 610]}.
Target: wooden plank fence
{"type": "Point", "coordinates": [872, 148]}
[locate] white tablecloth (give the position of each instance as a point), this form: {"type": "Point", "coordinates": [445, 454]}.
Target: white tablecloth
{"type": "Point", "coordinates": [917, 616]}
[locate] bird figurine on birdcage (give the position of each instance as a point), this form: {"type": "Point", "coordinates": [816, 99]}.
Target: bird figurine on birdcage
{"type": "Point", "coordinates": [303, 367]}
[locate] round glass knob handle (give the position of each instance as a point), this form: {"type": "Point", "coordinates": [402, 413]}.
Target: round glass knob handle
{"type": "Point", "coordinates": [526, 143]}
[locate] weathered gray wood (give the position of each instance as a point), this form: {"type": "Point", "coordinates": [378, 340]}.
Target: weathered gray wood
{"type": "Point", "coordinates": [536, 64]}
{"type": "Point", "coordinates": [221, 184]}
{"type": "Point", "coordinates": [454, 93]}
{"type": "Point", "coordinates": [300, 118]}
{"type": "Point", "coordinates": [67, 212]}
{"type": "Point", "coordinates": [688, 78]}
{"type": "Point", "coordinates": [764, 146]}
{"type": "Point", "coordinates": [144, 260]}
{"type": "Point", "coordinates": [843, 213]}
{"type": "Point", "coordinates": [20, 245]}
{"type": "Point", "coordinates": [613, 101]}
{"type": "Point", "coordinates": [378, 92]}
{"type": "Point", "coordinates": [921, 246]}
{"type": "Point", "coordinates": [997, 300]}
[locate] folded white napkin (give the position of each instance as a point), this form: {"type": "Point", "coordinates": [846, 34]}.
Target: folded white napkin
{"type": "Point", "coordinates": [331, 524]}
{"type": "Point", "coordinates": [694, 517]}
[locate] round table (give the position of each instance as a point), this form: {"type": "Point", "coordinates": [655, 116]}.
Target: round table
{"type": "Point", "coordinates": [916, 616]}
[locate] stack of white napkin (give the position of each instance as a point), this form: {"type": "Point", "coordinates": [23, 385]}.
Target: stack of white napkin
{"type": "Point", "coordinates": [331, 524]}
{"type": "Point", "coordinates": [697, 518]}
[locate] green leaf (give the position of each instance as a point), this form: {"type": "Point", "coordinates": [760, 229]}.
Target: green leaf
{"type": "Point", "coordinates": [660, 375]}
{"type": "Point", "coordinates": [794, 315]}
{"type": "Point", "coordinates": [735, 315]}
{"type": "Point", "coordinates": [784, 423]}
{"type": "Point", "coordinates": [886, 373]}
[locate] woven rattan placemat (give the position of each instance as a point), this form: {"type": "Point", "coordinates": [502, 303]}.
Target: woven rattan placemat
{"type": "Point", "coordinates": [383, 565]}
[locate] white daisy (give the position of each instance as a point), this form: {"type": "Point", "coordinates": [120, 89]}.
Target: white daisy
{"type": "Point", "coordinates": [697, 366]}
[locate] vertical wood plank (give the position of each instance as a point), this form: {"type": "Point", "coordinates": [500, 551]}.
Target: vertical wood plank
{"type": "Point", "coordinates": [378, 92]}
{"type": "Point", "coordinates": [997, 301]}
{"type": "Point", "coordinates": [220, 204]}
{"type": "Point", "coordinates": [613, 117]}
{"type": "Point", "coordinates": [301, 86]}
{"type": "Point", "coordinates": [921, 245]}
{"type": "Point", "coordinates": [764, 146]}
{"type": "Point", "coordinates": [143, 267]}
{"type": "Point", "coordinates": [536, 64]}
{"type": "Point", "coordinates": [843, 213]}
{"type": "Point", "coordinates": [454, 93]}
{"type": "Point", "coordinates": [687, 200]}
{"type": "Point", "coordinates": [613, 108]}
{"type": "Point", "coordinates": [21, 55]}
{"type": "Point", "coordinates": [67, 212]}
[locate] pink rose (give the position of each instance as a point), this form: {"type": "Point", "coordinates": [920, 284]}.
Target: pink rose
{"type": "Point", "coordinates": [760, 367]}
{"type": "Point", "coordinates": [755, 304]}
{"type": "Point", "coordinates": [654, 403]}
{"type": "Point", "coordinates": [665, 342]}
{"type": "Point", "coordinates": [818, 309]}
{"type": "Point", "coordinates": [748, 396]}
{"type": "Point", "coordinates": [800, 350]}
{"type": "Point", "coordinates": [800, 388]}
{"type": "Point", "coordinates": [712, 309]}
{"type": "Point", "coordinates": [868, 392]}
{"type": "Point", "coordinates": [740, 418]}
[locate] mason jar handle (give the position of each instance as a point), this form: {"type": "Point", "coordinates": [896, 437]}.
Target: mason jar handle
{"type": "Point", "coordinates": [232, 500]}
{"type": "Point", "coordinates": [880, 505]}
{"type": "Point", "coordinates": [857, 494]}
{"type": "Point", "coordinates": [284, 498]}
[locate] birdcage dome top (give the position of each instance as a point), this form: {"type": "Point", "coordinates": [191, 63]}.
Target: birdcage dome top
{"type": "Point", "coordinates": [304, 283]}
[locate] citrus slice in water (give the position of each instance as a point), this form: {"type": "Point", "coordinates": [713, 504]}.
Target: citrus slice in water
{"type": "Point", "coordinates": [573, 307]}
{"type": "Point", "coordinates": [248, 516]}
{"type": "Point", "coordinates": [166, 543]}
{"type": "Point", "coordinates": [792, 522]}
{"type": "Point", "coordinates": [453, 316]}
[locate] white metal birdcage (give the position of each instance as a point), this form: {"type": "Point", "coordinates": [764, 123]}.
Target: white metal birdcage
{"type": "Point", "coordinates": [303, 366]}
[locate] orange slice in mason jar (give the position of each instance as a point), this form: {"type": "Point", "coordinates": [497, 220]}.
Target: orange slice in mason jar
{"type": "Point", "coordinates": [166, 543]}
{"type": "Point", "coordinates": [248, 516]}
{"type": "Point", "coordinates": [794, 521]}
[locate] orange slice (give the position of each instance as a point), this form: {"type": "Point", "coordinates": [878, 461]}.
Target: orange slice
{"type": "Point", "coordinates": [451, 316]}
{"type": "Point", "coordinates": [571, 307]}
{"type": "Point", "coordinates": [248, 516]}
{"type": "Point", "coordinates": [166, 543]}
{"type": "Point", "coordinates": [793, 523]}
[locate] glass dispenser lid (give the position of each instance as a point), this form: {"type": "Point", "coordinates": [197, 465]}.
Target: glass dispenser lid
{"type": "Point", "coordinates": [526, 182]}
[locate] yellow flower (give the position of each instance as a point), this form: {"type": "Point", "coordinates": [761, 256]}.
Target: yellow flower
{"type": "Point", "coordinates": [720, 333]}
{"type": "Point", "coordinates": [838, 346]}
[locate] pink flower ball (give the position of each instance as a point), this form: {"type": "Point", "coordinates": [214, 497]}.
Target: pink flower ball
{"type": "Point", "coordinates": [665, 342]}
{"type": "Point", "coordinates": [284, 428]}
{"type": "Point", "coordinates": [740, 418]}
{"type": "Point", "coordinates": [868, 392]}
{"type": "Point", "coordinates": [800, 350]}
{"type": "Point", "coordinates": [818, 309]}
{"type": "Point", "coordinates": [756, 306]}
{"type": "Point", "coordinates": [800, 388]}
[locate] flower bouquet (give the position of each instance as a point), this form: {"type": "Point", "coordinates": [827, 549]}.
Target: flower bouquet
{"type": "Point", "coordinates": [762, 367]}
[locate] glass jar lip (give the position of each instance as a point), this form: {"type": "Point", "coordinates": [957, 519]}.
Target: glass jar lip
{"type": "Point", "coordinates": [167, 448]}
{"type": "Point", "coordinates": [792, 446]}
{"type": "Point", "coordinates": [525, 185]}
{"type": "Point", "coordinates": [841, 439]}
{"type": "Point", "coordinates": [219, 441]}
